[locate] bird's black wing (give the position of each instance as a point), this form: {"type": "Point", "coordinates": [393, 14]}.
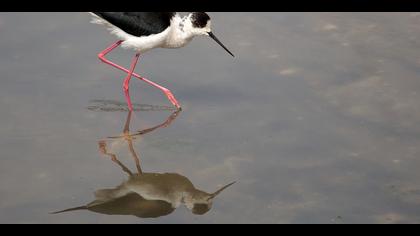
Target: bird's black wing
{"type": "Point", "coordinates": [139, 23]}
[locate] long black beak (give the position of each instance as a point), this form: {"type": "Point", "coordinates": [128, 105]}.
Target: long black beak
{"type": "Point", "coordinates": [220, 43]}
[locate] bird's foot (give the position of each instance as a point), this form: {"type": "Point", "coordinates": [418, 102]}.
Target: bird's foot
{"type": "Point", "coordinates": [172, 99]}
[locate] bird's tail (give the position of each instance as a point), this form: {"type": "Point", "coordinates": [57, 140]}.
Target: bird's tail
{"type": "Point", "coordinates": [96, 19]}
{"type": "Point", "coordinates": [70, 209]}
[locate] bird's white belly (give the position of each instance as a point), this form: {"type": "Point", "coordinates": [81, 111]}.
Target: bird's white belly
{"type": "Point", "coordinates": [176, 43]}
{"type": "Point", "coordinates": [143, 44]}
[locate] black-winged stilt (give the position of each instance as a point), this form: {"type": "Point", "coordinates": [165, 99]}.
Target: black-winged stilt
{"type": "Point", "coordinates": [143, 31]}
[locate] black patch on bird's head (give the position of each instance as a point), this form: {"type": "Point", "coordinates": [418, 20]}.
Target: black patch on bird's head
{"type": "Point", "coordinates": [199, 19]}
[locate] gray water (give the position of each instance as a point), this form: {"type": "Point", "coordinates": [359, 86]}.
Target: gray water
{"type": "Point", "coordinates": [316, 118]}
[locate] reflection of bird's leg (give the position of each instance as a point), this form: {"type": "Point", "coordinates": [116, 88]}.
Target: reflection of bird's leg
{"type": "Point", "coordinates": [167, 92]}
{"type": "Point", "coordinates": [129, 138]}
{"type": "Point", "coordinates": [171, 118]}
{"type": "Point", "coordinates": [164, 124]}
{"type": "Point", "coordinates": [127, 123]}
{"type": "Point", "coordinates": [103, 150]}
{"type": "Point", "coordinates": [134, 155]}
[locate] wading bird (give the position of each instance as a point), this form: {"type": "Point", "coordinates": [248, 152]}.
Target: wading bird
{"type": "Point", "coordinates": [143, 31]}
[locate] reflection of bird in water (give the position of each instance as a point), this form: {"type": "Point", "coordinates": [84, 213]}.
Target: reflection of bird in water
{"type": "Point", "coordinates": [148, 195]}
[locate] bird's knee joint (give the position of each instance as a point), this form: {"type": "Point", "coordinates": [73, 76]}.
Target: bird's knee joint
{"type": "Point", "coordinates": [101, 57]}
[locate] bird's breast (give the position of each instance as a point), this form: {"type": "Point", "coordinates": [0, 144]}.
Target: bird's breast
{"type": "Point", "coordinates": [179, 43]}
{"type": "Point", "coordinates": [176, 38]}
{"type": "Point", "coordinates": [146, 43]}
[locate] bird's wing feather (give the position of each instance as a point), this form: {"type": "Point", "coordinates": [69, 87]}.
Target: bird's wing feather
{"type": "Point", "coordinates": [138, 23]}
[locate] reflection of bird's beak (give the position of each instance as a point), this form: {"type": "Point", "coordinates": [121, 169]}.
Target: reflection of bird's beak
{"type": "Point", "coordinates": [213, 195]}
{"type": "Point", "coordinates": [220, 43]}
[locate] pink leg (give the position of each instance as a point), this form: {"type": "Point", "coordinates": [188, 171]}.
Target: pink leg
{"type": "Point", "coordinates": [126, 84]}
{"type": "Point", "coordinates": [165, 90]}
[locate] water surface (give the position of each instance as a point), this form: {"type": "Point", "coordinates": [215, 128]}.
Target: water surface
{"type": "Point", "coordinates": [316, 119]}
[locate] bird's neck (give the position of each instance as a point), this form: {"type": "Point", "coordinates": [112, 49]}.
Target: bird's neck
{"type": "Point", "coordinates": [179, 36]}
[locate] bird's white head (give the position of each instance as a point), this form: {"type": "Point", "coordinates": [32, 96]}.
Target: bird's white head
{"type": "Point", "coordinates": [199, 23]}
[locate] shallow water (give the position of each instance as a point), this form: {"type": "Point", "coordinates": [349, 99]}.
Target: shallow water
{"type": "Point", "coordinates": [316, 119]}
